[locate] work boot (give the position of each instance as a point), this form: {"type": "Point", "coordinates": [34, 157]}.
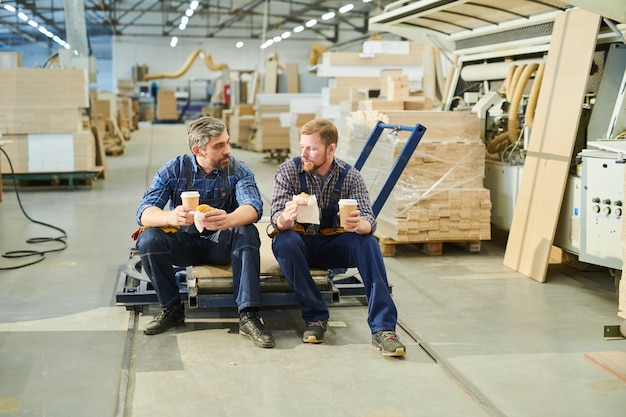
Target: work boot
{"type": "Point", "coordinates": [387, 341]}
{"type": "Point", "coordinates": [250, 325]}
{"type": "Point", "coordinates": [169, 317]}
{"type": "Point", "coordinates": [314, 332]}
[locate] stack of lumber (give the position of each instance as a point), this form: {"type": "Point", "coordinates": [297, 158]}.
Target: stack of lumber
{"type": "Point", "coordinates": [271, 134]}
{"type": "Point", "coordinates": [42, 115]}
{"type": "Point", "coordinates": [440, 196]}
{"type": "Point", "coordinates": [167, 107]}
{"type": "Point", "coordinates": [112, 118]}
{"type": "Point", "coordinates": [240, 121]}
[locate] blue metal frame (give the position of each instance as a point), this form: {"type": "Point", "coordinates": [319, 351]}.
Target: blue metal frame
{"type": "Point", "coordinates": [417, 132]}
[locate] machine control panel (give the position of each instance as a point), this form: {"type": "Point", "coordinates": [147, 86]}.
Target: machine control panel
{"type": "Point", "coordinates": [601, 209]}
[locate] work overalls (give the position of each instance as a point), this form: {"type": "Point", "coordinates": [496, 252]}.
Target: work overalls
{"type": "Point", "coordinates": [161, 251]}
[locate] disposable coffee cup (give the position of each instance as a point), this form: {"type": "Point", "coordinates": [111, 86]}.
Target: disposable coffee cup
{"type": "Point", "coordinates": [191, 199]}
{"type": "Point", "coordinates": [346, 206]}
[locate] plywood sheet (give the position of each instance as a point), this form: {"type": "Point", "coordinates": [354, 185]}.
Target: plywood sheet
{"type": "Point", "coordinates": [551, 143]}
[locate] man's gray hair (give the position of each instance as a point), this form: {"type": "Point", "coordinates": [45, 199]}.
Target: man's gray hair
{"type": "Point", "coordinates": [201, 130]}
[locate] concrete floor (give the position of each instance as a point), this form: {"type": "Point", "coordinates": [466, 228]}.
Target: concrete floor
{"type": "Point", "coordinates": [482, 340]}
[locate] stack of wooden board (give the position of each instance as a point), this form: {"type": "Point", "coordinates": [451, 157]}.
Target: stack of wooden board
{"type": "Point", "coordinates": [440, 196]}
{"type": "Point", "coordinates": [240, 120]}
{"type": "Point", "coordinates": [42, 116]}
{"type": "Point", "coordinates": [167, 108]}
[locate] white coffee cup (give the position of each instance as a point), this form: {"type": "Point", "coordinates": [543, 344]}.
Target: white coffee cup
{"type": "Point", "coordinates": [191, 199]}
{"type": "Point", "coordinates": [346, 206]}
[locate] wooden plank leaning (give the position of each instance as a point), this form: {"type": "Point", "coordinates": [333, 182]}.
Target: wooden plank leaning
{"type": "Point", "coordinates": [551, 143]}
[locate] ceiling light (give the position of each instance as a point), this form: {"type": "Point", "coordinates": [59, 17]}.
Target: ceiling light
{"type": "Point", "coordinates": [311, 23]}
{"type": "Point", "coordinates": [328, 16]}
{"type": "Point", "coordinates": [239, 45]}
{"type": "Point", "coordinates": [33, 23]}
{"type": "Point", "coordinates": [194, 5]}
{"type": "Point", "coordinates": [10, 8]}
{"type": "Point", "coordinates": [182, 27]}
{"type": "Point", "coordinates": [22, 16]}
{"type": "Point", "coordinates": [366, 1]}
{"type": "Point", "coordinates": [188, 12]}
{"type": "Point", "coordinates": [285, 35]}
{"type": "Point", "coordinates": [346, 8]}
{"type": "Point", "coordinates": [174, 41]}
{"type": "Point", "coordinates": [298, 29]}
{"type": "Point", "coordinates": [277, 39]}
{"type": "Point", "coordinates": [184, 20]}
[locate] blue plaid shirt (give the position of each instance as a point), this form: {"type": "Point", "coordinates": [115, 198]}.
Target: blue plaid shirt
{"type": "Point", "coordinates": [170, 181]}
{"type": "Point", "coordinates": [287, 184]}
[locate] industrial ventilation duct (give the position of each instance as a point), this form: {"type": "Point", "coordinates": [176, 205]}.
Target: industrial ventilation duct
{"type": "Point", "coordinates": [76, 27]}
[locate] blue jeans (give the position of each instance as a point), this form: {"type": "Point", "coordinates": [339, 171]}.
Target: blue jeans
{"type": "Point", "coordinates": [297, 254]}
{"type": "Point", "coordinates": [160, 251]}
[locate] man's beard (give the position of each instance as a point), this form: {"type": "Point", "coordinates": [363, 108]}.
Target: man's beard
{"type": "Point", "coordinates": [308, 166]}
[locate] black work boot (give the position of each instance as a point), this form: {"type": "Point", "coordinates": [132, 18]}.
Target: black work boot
{"type": "Point", "coordinates": [169, 317]}
{"type": "Point", "coordinates": [250, 325]}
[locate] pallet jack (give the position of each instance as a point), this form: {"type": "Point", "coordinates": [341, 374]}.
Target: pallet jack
{"type": "Point", "coordinates": [207, 286]}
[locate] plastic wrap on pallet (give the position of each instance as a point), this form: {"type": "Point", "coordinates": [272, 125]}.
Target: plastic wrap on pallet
{"type": "Point", "coordinates": [440, 195]}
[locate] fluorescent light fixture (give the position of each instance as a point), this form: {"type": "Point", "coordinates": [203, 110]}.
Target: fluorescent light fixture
{"type": "Point", "coordinates": [188, 12]}
{"type": "Point", "coordinates": [22, 16]}
{"type": "Point", "coordinates": [182, 27]}
{"type": "Point", "coordinates": [311, 23]}
{"type": "Point", "coordinates": [194, 5]}
{"type": "Point", "coordinates": [10, 8]}
{"type": "Point", "coordinates": [277, 39]}
{"type": "Point", "coordinates": [366, 1]}
{"type": "Point", "coordinates": [174, 41]}
{"type": "Point", "coordinates": [328, 16]}
{"type": "Point", "coordinates": [285, 35]}
{"type": "Point", "coordinates": [184, 20]}
{"type": "Point", "coordinates": [298, 29]}
{"type": "Point", "coordinates": [33, 23]}
{"type": "Point", "coordinates": [346, 8]}
{"type": "Point", "coordinates": [238, 44]}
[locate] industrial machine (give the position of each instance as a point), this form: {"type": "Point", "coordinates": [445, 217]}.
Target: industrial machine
{"type": "Point", "coordinates": [211, 286]}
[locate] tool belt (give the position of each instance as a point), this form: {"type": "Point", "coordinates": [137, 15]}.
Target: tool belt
{"type": "Point", "coordinates": [308, 230]}
{"type": "Point", "coordinates": [166, 229]}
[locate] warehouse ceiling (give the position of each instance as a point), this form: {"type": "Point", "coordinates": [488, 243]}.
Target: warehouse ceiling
{"type": "Point", "coordinates": [223, 19]}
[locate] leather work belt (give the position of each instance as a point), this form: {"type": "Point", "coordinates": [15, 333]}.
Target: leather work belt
{"type": "Point", "coordinates": [310, 230]}
{"type": "Point", "coordinates": [313, 229]}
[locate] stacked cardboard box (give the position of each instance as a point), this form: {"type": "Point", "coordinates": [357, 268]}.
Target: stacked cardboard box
{"type": "Point", "coordinates": [440, 195]}
{"type": "Point", "coordinates": [42, 115]}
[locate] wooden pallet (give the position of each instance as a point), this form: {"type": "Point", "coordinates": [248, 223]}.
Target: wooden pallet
{"type": "Point", "coordinates": [433, 248]}
{"type": "Point", "coordinates": [71, 179]}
